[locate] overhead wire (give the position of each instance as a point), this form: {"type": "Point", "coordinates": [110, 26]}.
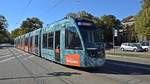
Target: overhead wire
{"type": "Point", "coordinates": [29, 3]}
{"type": "Point", "coordinates": [54, 6]}
{"type": "Point", "coordinates": [24, 11]}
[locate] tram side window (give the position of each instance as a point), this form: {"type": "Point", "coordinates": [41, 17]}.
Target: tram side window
{"type": "Point", "coordinates": [18, 42]}
{"type": "Point", "coordinates": [50, 40]}
{"type": "Point", "coordinates": [44, 40]}
{"type": "Point", "coordinates": [36, 41]}
{"type": "Point", "coordinates": [26, 41]}
{"type": "Point", "coordinates": [21, 42]}
{"type": "Point", "coordinates": [31, 41]}
{"type": "Point", "coordinates": [72, 40]}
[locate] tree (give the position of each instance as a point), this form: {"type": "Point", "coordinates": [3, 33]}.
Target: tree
{"type": "Point", "coordinates": [86, 15]}
{"type": "Point", "coordinates": [4, 34]}
{"type": "Point", "coordinates": [31, 24]}
{"type": "Point", "coordinates": [3, 23]}
{"type": "Point", "coordinates": [18, 32]}
{"type": "Point", "coordinates": [109, 22]}
{"type": "Point", "coordinates": [142, 25]}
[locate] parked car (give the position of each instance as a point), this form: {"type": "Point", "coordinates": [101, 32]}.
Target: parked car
{"type": "Point", "coordinates": [131, 47]}
{"type": "Point", "coordinates": [145, 46]}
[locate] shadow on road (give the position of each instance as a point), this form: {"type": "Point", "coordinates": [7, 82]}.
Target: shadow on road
{"type": "Point", "coordinates": [53, 74]}
{"type": "Point", "coordinates": [121, 68]}
{"type": "Point", "coordinates": [63, 73]}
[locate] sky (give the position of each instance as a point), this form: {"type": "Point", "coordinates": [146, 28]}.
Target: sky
{"type": "Point", "coordinates": [50, 11]}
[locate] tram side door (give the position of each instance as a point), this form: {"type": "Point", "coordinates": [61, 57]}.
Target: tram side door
{"type": "Point", "coordinates": [57, 46]}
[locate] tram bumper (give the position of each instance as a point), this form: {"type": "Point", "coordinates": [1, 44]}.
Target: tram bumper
{"type": "Point", "coordinates": [95, 58]}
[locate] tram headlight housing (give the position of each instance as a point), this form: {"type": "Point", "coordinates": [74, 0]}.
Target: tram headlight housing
{"type": "Point", "coordinates": [96, 53]}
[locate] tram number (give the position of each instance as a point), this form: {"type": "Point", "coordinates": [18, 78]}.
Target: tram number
{"type": "Point", "coordinates": [73, 59]}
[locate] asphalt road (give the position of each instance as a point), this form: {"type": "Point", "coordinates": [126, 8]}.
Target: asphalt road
{"type": "Point", "coordinates": [18, 67]}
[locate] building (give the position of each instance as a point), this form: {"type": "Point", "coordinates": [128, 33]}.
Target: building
{"type": "Point", "coordinates": [128, 30]}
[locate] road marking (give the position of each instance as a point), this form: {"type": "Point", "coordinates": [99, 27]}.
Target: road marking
{"type": "Point", "coordinates": [12, 58]}
{"type": "Point", "coordinates": [7, 59]}
{"type": "Point", "coordinates": [5, 56]}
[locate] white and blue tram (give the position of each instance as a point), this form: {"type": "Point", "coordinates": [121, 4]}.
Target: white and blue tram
{"type": "Point", "coordinates": [73, 42]}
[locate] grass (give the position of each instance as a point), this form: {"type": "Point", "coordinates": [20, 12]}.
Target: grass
{"type": "Point", "coordinates": [129, 54]}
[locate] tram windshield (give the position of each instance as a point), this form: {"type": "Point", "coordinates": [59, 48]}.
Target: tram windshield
{"type": "Point", "coordinates": [92, 36]}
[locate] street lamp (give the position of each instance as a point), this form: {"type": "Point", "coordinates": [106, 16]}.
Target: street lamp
{"type": "Point", "coordinates": [115, 34]}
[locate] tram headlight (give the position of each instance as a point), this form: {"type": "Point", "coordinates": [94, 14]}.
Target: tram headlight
{"type": "Point", "coordinates": [96, 53]}
{"type": "Point", "coordinates": [101, 53]}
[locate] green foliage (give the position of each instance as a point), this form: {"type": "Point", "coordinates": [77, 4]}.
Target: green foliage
{"type": "Point", "coordinates": [109, 22]}
{"type": "Point", "coordinates": [142, 25]}
{"type": "Point", "coordinates": [32, 24]}
{"type": "Point", "coordinates": [18, 32]}
{"type": "Point", "coordinates": [4, 34]}
{"type": "Point", "coordinates": [3, 22]}
{"type": "Point", "coordinates": [86, 15]}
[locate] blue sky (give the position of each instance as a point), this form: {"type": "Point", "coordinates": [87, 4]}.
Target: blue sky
{"type": "Point", "coordinates": [49, 11]}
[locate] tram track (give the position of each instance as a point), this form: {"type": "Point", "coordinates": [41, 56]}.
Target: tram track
{"type": "Point", "coordinates": [26, 68]}
{"type": "Point", "coordinates": [69, 82]}
{"type": "Point", "coordinates": [100, 74]}
{"type": "Point", "coordinates": [34, 75]}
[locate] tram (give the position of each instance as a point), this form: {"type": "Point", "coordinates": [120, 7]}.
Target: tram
{"type": "Point", "coordinates": [73, 42]}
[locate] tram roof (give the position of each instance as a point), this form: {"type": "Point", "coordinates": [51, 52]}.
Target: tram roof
{"type": "Point", "coordinates": [54, 26]}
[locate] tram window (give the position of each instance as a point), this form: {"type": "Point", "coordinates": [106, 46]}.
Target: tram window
{"type": "Point", "coordinates": [18, 42]}
{"type": "Point", "coordinates": [50, 40]}
{"type": "Point", "coordinates": [21, 42]}
{"type": "Point", "coordinates": [57, 39]}
{"type": "Point", "coordinates": [44, 40]}
{"type": "Point", "coordinates": [98, 36]}
{"type": "Point", "coordinates": [26, 41]}
{"type": "Point", "coordinates": [72, 40]}
{"type": "Point", "coordinates": [36, 41]}
{"type": "Point", "coordinates": [30, 41]}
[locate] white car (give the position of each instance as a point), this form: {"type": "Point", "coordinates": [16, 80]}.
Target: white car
{"type": "Point", "coordinates": [145, 46]}
{"type": "Point", "coordinates": [131, 47]}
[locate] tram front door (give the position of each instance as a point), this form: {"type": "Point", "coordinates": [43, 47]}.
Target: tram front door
{"type": "Point", "coordinates": [57, 46]}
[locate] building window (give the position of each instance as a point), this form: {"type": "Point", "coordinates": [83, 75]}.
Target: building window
{"type": "Point", "coordinates": [72, 40]}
